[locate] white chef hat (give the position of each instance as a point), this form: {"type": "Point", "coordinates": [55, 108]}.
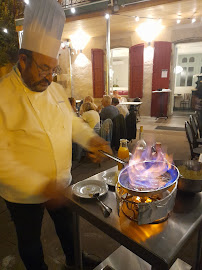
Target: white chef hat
{"type": "Point", "coordinates": [43, 25]}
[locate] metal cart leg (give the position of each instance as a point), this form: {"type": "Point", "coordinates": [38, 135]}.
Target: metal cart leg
{"type": "Point", "coordinates": [77, 243]}
{"type": "Point", "coordinates": [199, 249]}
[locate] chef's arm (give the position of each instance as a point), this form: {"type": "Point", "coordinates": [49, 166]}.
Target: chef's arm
{"type": "Point", "coordinates": [84, 135]}
{"type": "Point", "coordinates": [19, 176]}
{"type": "Point", "coordinates": [81, 131]}
{"type": "Point", "coordinates": [26, 181]}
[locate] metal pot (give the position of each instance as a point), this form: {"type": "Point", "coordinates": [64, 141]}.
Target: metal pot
{"type": "Point", "coordinates": [189, 185]}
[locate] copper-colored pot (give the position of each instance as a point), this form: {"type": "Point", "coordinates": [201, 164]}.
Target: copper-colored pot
{"type": "Point", "coordinates": [186, 184]}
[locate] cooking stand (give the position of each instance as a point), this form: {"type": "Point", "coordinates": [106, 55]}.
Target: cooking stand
{"type": "Point", "coordinates": [157, 244]}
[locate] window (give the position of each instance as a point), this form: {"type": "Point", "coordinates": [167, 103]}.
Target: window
{"type": "Point", "coordinates": [190, 76]}
{"type": "Point", "coordinates": [191, 64]}
{"type": "Point", "coordinates": [183, 76]}
{"type": "Point", "coordinates": [184, 60]}
{"type": "Point", "coordinates": [191, 59]}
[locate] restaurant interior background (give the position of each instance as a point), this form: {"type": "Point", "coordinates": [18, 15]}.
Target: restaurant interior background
{"type": "Point", "coordinates": [149, 42]}
{"type": "Point", "coordinates": [85, 69]}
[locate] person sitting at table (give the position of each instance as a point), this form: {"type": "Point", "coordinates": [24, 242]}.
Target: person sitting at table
{"type": "Point", "coordinates": [86, 100]}
{"type": "Point", "coordinates": [73, 103]}
{"type": "Point", "coordinates": [91, 116]}
{"type": "Point", "coordinates": [116, 95]}
{"type": "Point", "coordinates": [108, 111]}
{"type": "Point", "coordinates": [122, 108]}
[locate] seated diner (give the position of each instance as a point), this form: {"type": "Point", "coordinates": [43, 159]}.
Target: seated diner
{"type": "Point", "coordinates": [122, 108]}
{"type": "Point", "coordinates": [91, 116]}
{"type": "Point", "coordinates": [108, 111]}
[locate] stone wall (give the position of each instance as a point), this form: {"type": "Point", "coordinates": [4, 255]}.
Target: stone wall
{"type": "Point", "coordinates": [187, 33]}
{"type": "Point", "coordinates": [64, 77]}
{"type": "Point", "coordinates": [82, 84]}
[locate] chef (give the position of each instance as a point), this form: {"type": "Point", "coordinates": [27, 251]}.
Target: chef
{"type": "Point", "coordinates": [37, 127]}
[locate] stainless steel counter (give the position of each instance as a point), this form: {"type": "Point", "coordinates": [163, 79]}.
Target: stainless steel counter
{"type": "Point", "coordinates": [157, 244]}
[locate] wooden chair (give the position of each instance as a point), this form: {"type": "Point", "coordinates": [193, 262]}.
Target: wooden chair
{"type": "Point", "coordinates": [195, 151]}
{"type": "Point", "coordinates": [185, 103]}
{"type": "Point", "coordinates": [131, 124]}
{"type": "Point", "coordinates": [199, 123]}
{"type": "Point", "coordinates": [137, 108]}
{"type": "Point", "coordinates": [106, 130]}
{"type": "Point", "coordinates": [195, 131]}
{"type": "Point", "coordinates": [119, 131]}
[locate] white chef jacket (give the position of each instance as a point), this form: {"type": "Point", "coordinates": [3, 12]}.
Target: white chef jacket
{"type": "Point", "coordinates": [36, 133]}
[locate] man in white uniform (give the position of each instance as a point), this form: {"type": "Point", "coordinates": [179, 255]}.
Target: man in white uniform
{"type": "Point", "coordinates": [37, 126]}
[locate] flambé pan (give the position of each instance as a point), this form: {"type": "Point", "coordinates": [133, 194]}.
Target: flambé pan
{"type": "Point", "coordinates": [124, 178]}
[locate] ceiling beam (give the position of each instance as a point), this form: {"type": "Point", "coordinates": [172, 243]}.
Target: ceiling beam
{"type": "Point", "coordinates": [135, 6]}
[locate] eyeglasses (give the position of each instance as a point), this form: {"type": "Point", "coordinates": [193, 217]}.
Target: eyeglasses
{"type": "Point", "coordinates": [44, 72]}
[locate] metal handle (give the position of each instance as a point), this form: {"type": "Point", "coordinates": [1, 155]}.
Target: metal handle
{"type": "Point", "coordinates": [113, 157]}
{"type": "Point", "coordinates": [105, 209]}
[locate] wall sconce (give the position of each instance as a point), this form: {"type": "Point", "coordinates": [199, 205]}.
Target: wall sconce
{"type": "Point", "coordinates": [81, 60]}
{"type": "Point", "coordinates": [79, 40]}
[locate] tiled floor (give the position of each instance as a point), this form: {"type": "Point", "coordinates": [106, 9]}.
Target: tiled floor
{"type": "Point", "coordinates": [94, 241]}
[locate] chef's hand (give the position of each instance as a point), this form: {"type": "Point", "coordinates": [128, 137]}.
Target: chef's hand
{"type": "Point", "coordinates": [97, 143]}
{"type": "Point", "coordinates": [55, 194]}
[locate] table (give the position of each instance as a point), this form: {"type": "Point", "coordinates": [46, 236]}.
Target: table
{"type": "Point", "coordinates": [161, 92]}
{"type": "Point", "coordinates": [157, 244]}
{"type": "Point", "coordinates": [135, 103]}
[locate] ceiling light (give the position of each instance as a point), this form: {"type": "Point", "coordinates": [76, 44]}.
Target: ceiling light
{"type": "Point", "coordinates": [137, 18]}
{"type": "Point", "coordinates": [193, 20]}
{"type": "Point", "coordinates": [178, 21]}
{"type": "Point", "coordinates": [107, 16]}
{"type": "Point", "coordinates": [5, 30]}
{"type": "Point", "coordinates": [149, 30]}
{"type": "Point", "coordinates": [73, 10]}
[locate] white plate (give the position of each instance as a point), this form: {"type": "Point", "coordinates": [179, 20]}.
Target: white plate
{"type": "Point", "coordinates": [110, 178]}
{"type": "Point", "coordinates": [86, 188]}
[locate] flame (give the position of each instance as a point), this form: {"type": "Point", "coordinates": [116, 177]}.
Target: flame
{"type": "Point", "coordinates": [148, 168]}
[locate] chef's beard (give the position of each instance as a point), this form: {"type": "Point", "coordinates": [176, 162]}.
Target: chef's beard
{"type": "Point", "coordinates": [40, 86]}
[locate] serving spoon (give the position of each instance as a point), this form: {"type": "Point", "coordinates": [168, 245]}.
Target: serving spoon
{"type": "Point", "coordinates": [113, 157]}
{"type": "Point", "coordinates": [106, 210]}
